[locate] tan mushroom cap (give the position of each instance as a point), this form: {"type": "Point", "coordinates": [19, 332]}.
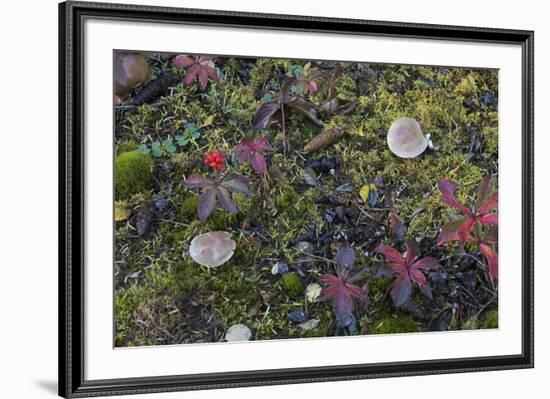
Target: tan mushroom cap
{"type": "Point", "coordinates": [405, 138]}
{"type": "Point", "coordinates": [130, 70]}
{"type": "Point", "coordinates": [212, 249]}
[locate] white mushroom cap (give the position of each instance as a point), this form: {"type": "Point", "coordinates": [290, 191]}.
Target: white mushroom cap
{"type": "Point", "coordinates": [212, 249]}
{"type": "Point", "coordinates": [238, 332]}
{"type": "Point", "coordinates": [405, 138]}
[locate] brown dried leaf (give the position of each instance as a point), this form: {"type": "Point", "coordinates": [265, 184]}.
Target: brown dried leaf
{"type": "Point", "coordinates": [337, 106]}
{"type": "Point", "coordinates": [325, 139]}
{"type": "Point", "coordinates": [145, 218]}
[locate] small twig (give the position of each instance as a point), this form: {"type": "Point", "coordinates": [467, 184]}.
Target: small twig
{"type": "Point", "coordinates": [320, 258]}
{"type": "Point", "coordinates": [469, 294]}
{"type": "Point", "coordinates": [283, 132]}
{"type": "Point", "coordinates": [173, 222]}
{"type": "Point", "coordinates": [300, 155]}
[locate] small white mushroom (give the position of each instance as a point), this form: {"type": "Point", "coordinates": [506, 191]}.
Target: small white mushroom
{"type": "Point", "coordinates": [238, 332]}
{"type": "Point", "coordinates": [405, 138]}
{"type": "Point", "coordinates": [212, 249]}
{"type": "Point", "coordinates": [313, 291]}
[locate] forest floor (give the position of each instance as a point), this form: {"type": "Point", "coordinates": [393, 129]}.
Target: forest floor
{"type": "Point", "coordinates": [352, 192]}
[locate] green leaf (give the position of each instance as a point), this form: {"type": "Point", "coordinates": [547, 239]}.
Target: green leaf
{"type": "Point", "coordinates": [267, 97]}
{"type": "Point", "coordinates": [181, 140]}
{"type": "Point", "coordinates": [169, 146]}
{"type": "Point", "coordinates": [191, 130]}
{"type": "Point", "coordinates": [144, 148]}
{"type": "Point", "coordinates": [156, 149]}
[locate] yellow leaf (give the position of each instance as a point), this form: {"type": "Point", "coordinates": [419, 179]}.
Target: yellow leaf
{"type": "Point", "coordinates": [365, 190]}
{"type": "Point", "coordinates": [121, 211]}
{"type": "Point", "coordinates": [208, 121]}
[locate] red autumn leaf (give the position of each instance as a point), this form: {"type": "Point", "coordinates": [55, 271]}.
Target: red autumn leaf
{"type": "Point", "coordinates": [253, 149]}
{"type": "Point", "coordinates": [486, 202]}
{"type": "Point", "coordinates": [342, 293]}
{"type": "Point", "coordinates": [484, 190]}
{"type": "Point", "coordinates": [408, 271]}
{"type": "Point", "coordinates": [480, 217]}
{"type": "Point", "coordinates": [449, 231]}
{"type": "Point", "coordinates": [195, 181]}
{"type": "Point", "coordinates": [236, 184]}
{"type": "Point", "coordinates": [448, 189]}
{"type": "Point", "coordinates": [217, 190]}
{"type": "Point", "coordinates": [207, 203]}
{"type": "Point", "coordinates": [183, 61]}
{"type": "Point", "coordinates": [224, 198]}
{"type": "Point", "coordinates": [492, 259]}
{"type": "Point", "coordinates": [200, 67]}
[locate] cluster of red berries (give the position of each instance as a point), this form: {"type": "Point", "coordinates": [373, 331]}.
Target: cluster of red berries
{"type": "Point", "coordinates": [215, 160]}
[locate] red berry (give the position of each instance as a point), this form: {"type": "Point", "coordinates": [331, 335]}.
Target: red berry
{"type": "Point", "coordinates": [215, 160]}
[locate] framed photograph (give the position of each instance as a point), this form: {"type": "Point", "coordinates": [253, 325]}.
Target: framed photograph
{"type": "Point", "coordinates": [252, 199]}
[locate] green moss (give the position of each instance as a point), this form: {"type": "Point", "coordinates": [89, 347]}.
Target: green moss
{"type": "Point", "coordinates": [188, 208]}
{"type": "Point", "coordinates": [394, 325]}
{"type": "Point", "coordinates": [133, 174]}
{"type": "Point", "coordinates": [292, 284]}
{"type": "Point", "coordinates": [467, 86]}
{"type": "Point", "coordinates": [491, 319]}
{"type": "Point", "coordinates": [221, 220]}
{"type": "Point", "coordinates": [378, 286]}
{"type": "Point", "coordinates": [126, 146]}
{"type": "Point", "coordinates": [471, 324]}
{"type": "Point", "coordinates": [346, 87]}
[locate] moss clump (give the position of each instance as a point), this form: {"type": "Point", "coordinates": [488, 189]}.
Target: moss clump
{"type": "Point", "coordinates": [292, 284]}
{"type": "Point", "coordinates": [491, 319]}
{"type": "Point", "coordinates": [394, 325]}
{"type": "Point", "coordinates": [133, 174]}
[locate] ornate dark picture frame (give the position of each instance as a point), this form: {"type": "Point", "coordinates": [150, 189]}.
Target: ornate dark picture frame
{"type": "Point", "coordinates": [71, 199]}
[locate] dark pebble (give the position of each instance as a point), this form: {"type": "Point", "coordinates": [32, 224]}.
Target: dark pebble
{"type": "Point", "coordinates": [297, 316]}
